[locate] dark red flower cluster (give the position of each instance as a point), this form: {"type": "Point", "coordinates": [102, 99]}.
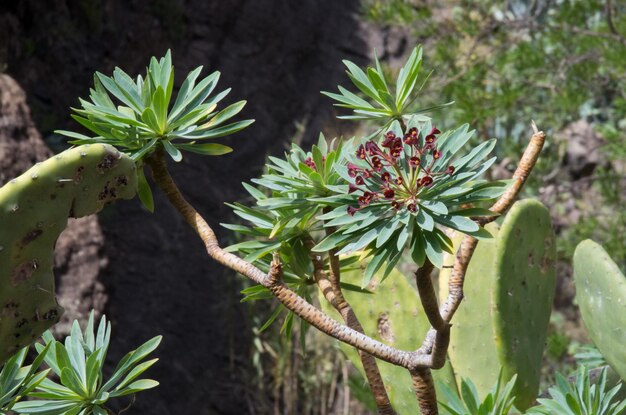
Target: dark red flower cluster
{"type": "Point", "coordinates": [394, 171]}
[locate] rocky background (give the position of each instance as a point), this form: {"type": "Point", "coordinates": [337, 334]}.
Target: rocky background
{"type": "Point", "coordinates": [148, 272]}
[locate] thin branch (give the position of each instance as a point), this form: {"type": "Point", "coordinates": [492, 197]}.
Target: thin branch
{"type": "Point", "coordinates": [425, 390]}
{"type": "Point", "coordinates": [427, 295]}
{"type": "Point", "coordinates": [335, 297]}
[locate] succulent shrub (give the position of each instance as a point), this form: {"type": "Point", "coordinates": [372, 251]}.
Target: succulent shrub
{"type": "Point", "coordinates": [373, 197]}
{"type": "Point", "coordinates": [499, 401]}
{"type": "Point", "coordinates": [78, 364]}
{"type": "Point", "coordinates": [17, 381]}
{"type": "Point", "coordinates": [377, 195]}
{"type": "Point", "coordinates": [406, 188]}
{"type": "Point", "coordinates": [581, 397]}
{"type": "Point", "coordinates": [137, 115]}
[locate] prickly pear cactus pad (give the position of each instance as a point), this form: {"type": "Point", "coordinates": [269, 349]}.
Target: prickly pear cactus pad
{"type": "Point", "coordinates": [34, 209]}
{"type": "Point", "coordinates": [393, 315]}
{"type": "Point", "coordinates": [525, 280]}
{"type": "Point", "coordinates": [601, 295]}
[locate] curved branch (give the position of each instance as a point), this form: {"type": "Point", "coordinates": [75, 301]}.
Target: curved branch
{"type": "Point", "coordinates": [332, 292]}
{"type": "Point", "coordinates": [286, 296]}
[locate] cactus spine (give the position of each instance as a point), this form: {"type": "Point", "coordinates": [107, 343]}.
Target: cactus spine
{"type": "Point", "coordinates": [601, 295]}
{"type": "Point", "coordinates": [34, 209]}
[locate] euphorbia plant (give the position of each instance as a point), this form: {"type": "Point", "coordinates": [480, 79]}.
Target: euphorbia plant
{"type": "Point", "coordinates": [390, 193]}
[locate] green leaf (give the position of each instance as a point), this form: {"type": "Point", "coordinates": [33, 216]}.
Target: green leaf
{"type": "Point", "coordinates": [459, 223]}
{"type": "Point", "coordinates": [196, 96]}
{"type": "Point", "coordinates": [433, 249]}
{"type": "Point", "coordinates": [331, 241]}
{"type": "Point", "coordinates": [72, 381]}
{"type": "Point", "coordinates": [72, 134]}
{"type": "Point", "coordinates": [207, 149]}
{"type": "Point", "coordinates": [219, 132]}
{"type": "Point", "coordinates": [408, 77]}
{"type": "Point", "coordinates": [129, 360]}
{"type": "Point", "coordinates": [360, 80]}
{"type": "Point", "coordinates": [160, 109]}
{"type": "Point", "coordinates": [174, 153]}
{"type": "Point", "coordinates": [271, 318]}
{"type": "Point", "coordinates": [386, 232]}
{"type": "Point", "coordinates": [375, 264]}
{"type": "Point", "coordinates": [120, 93]}
{"type": "Point", "coordinates": [137, 386]}
{"type": "Point", "coordinates": [143, 191]}
{"type": "Point", "coordinates": [44, 407]}
{"type": "Point", "coordinates": [424, 220]}
{"type": "Point", "coordinates": [149, 117]}
{"type": "Point", "coordinates": [224, 115]}
{"type": "Point", "coordinates": [184, 91]}
{"type": "Point", "coordinates": [474, 212]}
{"type": "Point", "coordinates": [144, 150]}
{"type": "Point", "coordinates": [136, 372]}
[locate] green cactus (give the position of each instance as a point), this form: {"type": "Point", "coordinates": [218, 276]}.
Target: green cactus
{"type": "Point", "coordinates": [34, 209]}
{"type": "Point", "coordinates": [393, 315]}
{"type": "Point", "coordinates": [509, 288]}
{"type": "Point", "coordinates": [601, 295]}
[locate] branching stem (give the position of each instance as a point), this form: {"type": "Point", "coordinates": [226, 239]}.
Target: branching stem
{"type": "Point", "coordinates": [331, 289]}
{"type": "Point", "coordinates": [433, 350]}
{"type": "Point", "coordinates": [286, 296]}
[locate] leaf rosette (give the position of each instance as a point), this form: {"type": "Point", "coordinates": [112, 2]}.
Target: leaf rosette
{"type": "Point", "coordinates": [144, 120]}
{"type": "Point", "coordinates": [407, 187]}
{"type": "Point", "coordinates": [78, 364]}
{"type": "Point", "coordinates": [380, 101]}
{"type": "Point", "coordinates": [290, 196]}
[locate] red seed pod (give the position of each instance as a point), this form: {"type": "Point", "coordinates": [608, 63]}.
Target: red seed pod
{"type": "Point", "coordinates": [365, 199]}
{"type": "Point", "coordinates": [386, 177]}
{"type": "Point", "coordinates": [450, 170]}
{"type": "Point", "coordinates": [414, 162]}
{"type": "Point", "coordinates": [372, 148]}
{"type": "Point", "coordinates": [359, 181]}
{"type": "Point", "coordinates": [399, 181]}
{"type": "Point", "coordinates": [360, 152]}
{"type": "Point", "coordinates": [352, 188]}
{"type": "Point", "coordinates": [436, 154]}
{"type": "Point", "coordinates": [389, 194]}
{"type": "Point", "coordinates": [377, 164]}
{"type": "Point", "coordinates": [367, 174]}
{"type": "Point", "coordinates": [352, 170]}
{"type": "Point", "coordinates": [412, 207]}
{"type": "Point", "coordinates": [426, 181]}
{"type": "Point", "coordinates": [352, 210]}
{"type": "Point", "coordinates": [389, 139]}
{"type": "Point", "coordinates": [309, 162]}
{"type": "Point", "coordinates": [410, 139]}
{"type": "Point", "coordinates": [428, 146]}
{"type": "Point", "coordinates": [395, 204]}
